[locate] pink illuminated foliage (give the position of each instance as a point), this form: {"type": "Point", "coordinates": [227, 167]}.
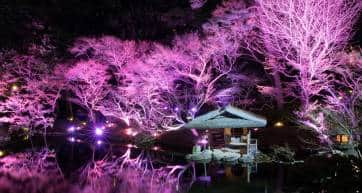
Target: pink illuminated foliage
{"type": "Point", "coordinates": [149, 85]}
{"type": "Point", "coordinates": [28, 90]}
{"type": "Point", "coordinates": [196, 4]}
{"type": "Point", "coordinates": [153, 86]}
{"type": "Point", "coordinates": [88, 82]}
{"type": "Point", "coordinates": [347, 101]}
{"type": "Point", "coordinates": [303, 39]}
{"type": "Point", "coordinates": [158, 86]}
{"type": "Point", "coordinates": [137, 84]}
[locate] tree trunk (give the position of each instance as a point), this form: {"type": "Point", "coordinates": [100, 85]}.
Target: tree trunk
{"type": "Point", "coordinates": [279, 90]}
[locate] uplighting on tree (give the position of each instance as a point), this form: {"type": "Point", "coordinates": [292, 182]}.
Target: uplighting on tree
{"type": "Point", "coordinates": [155, 148]}
{"type": "Point", "coordinates": [72, 139]}
{"type": "Point", "coordinates": [2, 153]}
{"type": "Point", "coordinates": [193, 109]}
{"type": "Point", "coordinates": [130, 145]}
{"type": "Point", "coordinates": [14, 87]}
{"type": "Point", "coordinates": [99, 131]}
{"type": "Point", "coordinates": [129, 131]}
{"type": "Point", "coordinates": [71, 129]}
{"type": "Point", "coordinates": [325, 137]}
{"type": "Point", "coordinates": [279, 124]}
{"type": "Point", "coordinates": [110, 125]}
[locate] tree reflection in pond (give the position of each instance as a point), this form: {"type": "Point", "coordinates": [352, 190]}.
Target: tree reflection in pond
{"type": "Point", "coordinates": [39, 172]}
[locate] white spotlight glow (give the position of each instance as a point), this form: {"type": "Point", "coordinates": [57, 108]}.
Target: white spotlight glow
{"type": "Point", "coordinates": [99, 131]}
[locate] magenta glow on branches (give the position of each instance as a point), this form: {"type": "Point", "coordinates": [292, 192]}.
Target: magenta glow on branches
{"type": "Point", "coordinates": [157, 84]}
{"type": "Point", "coordinates": [300, 43]}
{"type": "Point", "coordinates": [131, 175]}
{"type": "Point", "coordinates": [152, 86]}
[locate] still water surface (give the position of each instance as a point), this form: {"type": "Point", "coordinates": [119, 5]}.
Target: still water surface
{"type": "Point", "coordinates": [317, 174]}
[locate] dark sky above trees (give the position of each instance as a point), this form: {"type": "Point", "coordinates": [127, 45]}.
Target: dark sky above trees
{"type": "Point", "coordinates": [126, 19]}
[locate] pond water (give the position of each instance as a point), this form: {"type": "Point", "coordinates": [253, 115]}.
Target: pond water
{"type": "Point", "coordinates": [332, 175]}
{"type": "Point", "coordinates": [317, 174]}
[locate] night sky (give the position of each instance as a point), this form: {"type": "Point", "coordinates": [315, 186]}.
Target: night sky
{"type": "Point", "coordinates": [140, 20]}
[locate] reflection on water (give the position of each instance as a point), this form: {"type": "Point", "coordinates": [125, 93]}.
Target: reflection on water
{"type": "Point", "coordinates": [38, 172]}
{"type": "Point", "coordinates": [163, 171]}
{"type": "Point", "coordinates": [335, 175]}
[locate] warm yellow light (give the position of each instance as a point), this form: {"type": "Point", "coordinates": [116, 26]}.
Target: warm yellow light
{"type": "Point", "coordinates": [2, 153]}
{"type": "Point", "coordinates": [84, 123]}
{"type": "Point", "coordinates": [279, 124]}
{"type": "Point", "coordinates": [25, 129]}
{"type": "Point", "coordinates": [14, 87]}
{"type": "Point", "coordinates": [344, 139]}
{"type": "Point", "coordinates": [70, 118]}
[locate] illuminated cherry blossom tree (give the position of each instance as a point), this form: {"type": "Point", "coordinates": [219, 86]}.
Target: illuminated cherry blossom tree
{"type": "Point", "coordinates": [88, 82]}
{"type": "Point", "coordinates": [347, 101]}
{"type": "Point", "coordinates": [160, 86]}
{"type": "Point", "coordinates": [137, 86]}
{"type": "Point", "coordinates": [192, 62]}
{"type": "Point", "coordinates": [304, 38]}
{"type": "Point", "coordinates": [151, 84]}
{"type": "Point", "coordinates": [29, 90]}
